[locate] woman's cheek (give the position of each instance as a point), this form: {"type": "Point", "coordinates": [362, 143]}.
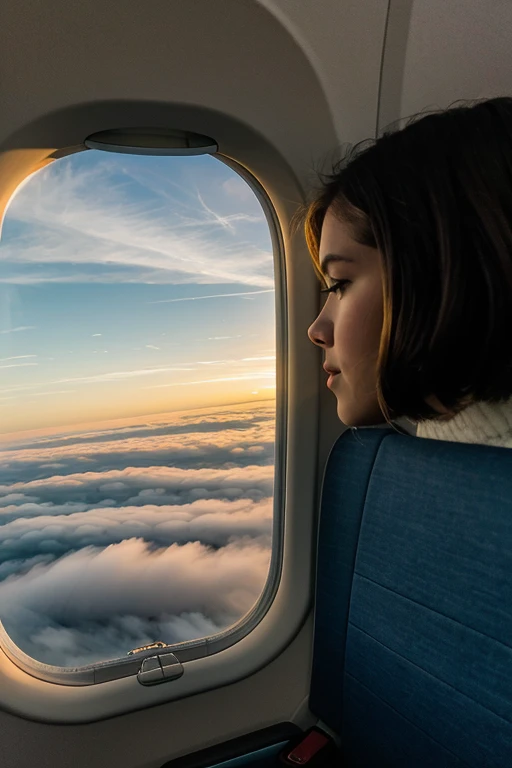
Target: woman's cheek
{"type": "Point", "coordinates": [347, 334]}
{"type": "Point", "coordinates": [357, 330]}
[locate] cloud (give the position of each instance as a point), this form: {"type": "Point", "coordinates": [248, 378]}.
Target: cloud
{"type": "Point", "coordinates": [57, 392]}
{"type": "Point", "coordinates": [113, 376]}
{"type": "Point", "coordinates": [15, 567]}
{"type": "Point", "coordinates": [182, 440]}
{"type": "Point", "coordinates": [115, 233]}
{"type": "Point", "coordinates": [97, 604]}
{"type": "Point", "coordinates": [19, 328]}
{"type": "Point", "coordinates": [224, 221]}
{"type": "Point", "coordinates": [16, 357]}
{"type": "Point", "coordinates": [219, 338]}
{"type": "Point", "coordinates": [133, 486]}
{"type": "Point", "coordinates": [243, 377]}
{"type": "Point", "coordinates": [213, 296]}
{"type": "Point", "coordinates": [100, 378]}
{"type": "Point", "coordinates": [94, 563]}
{"type": "Point", "coordinates": [212, 521]}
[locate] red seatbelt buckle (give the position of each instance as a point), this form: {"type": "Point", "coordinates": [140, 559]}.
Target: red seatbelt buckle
{"type": "Point", "coordinates": [314, 749]}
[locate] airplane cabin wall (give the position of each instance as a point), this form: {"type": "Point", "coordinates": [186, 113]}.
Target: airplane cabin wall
{"type": "Point", "coordinates": [305, 74]}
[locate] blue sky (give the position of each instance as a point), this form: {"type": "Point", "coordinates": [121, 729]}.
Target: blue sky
{"type": "Point", "coordinates": [133, 285]}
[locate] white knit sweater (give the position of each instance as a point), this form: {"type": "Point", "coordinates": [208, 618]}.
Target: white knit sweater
{"type": "Point", "coordinates": [484, 423]}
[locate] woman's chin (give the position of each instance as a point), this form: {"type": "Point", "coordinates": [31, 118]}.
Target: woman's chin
{"type": "Point", "coordinates": [356, 415]}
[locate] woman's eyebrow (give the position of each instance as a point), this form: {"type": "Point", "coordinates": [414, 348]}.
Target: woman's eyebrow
{"type": "Point", "coordinates": [330, 257]}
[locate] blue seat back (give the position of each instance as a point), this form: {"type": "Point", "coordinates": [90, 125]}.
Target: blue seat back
{"type": "Point", "coordinates": [412, 658]}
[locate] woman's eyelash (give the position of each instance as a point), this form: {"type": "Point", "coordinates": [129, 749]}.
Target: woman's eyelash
{"type": "Point", "coordinates": [339, 285]}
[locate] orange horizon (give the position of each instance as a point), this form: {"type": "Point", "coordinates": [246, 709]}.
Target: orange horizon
{"type": "Point", "coordinates": [105, 423]}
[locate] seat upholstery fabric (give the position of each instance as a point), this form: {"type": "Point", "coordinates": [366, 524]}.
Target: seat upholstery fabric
{"type": "Point", "coordinates": [412, 657]}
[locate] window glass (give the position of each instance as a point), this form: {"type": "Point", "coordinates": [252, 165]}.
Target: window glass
{"type": "Point", "coordinates": [137, 405]}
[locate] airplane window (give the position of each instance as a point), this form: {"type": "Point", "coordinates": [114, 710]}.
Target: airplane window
{"type": "Point", "coordinates": [137, 405]}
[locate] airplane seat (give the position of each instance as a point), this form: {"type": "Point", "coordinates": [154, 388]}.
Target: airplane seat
{"type": "Point", "coordinates": [412, 661]}
{"type": "Point", "coordinates": [412, 656]}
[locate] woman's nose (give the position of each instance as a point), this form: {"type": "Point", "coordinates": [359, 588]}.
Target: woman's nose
{"type": "Point", "coordinates": [320, 332]}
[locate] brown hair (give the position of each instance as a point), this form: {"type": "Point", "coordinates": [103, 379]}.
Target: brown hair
{"type": "Point", "coordinates": [435, 198]}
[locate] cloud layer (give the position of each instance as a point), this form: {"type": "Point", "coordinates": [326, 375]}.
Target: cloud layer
{"type": "Point", "coordinates": [142, 547]}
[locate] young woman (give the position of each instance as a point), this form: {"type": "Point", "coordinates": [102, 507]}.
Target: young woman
{"type": "Point", "coordinates": [412, 239]}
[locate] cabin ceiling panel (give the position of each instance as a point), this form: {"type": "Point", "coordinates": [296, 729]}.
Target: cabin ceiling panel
{"type": "Point", "coordinates": [343, 40]}
{"type": "Point", "coordinates": [284, 68]}
{"type": "Point", "coordinates": [438, 52]}
{"type": "Point", "coordinates": [233, 57]}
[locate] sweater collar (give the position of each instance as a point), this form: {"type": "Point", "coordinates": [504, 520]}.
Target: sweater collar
{"type": "Point", "coordinates": [487, 423]}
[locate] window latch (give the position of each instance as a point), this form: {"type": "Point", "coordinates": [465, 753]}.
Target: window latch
{"type": "Point", "coordinates": [157, 644]}
{"type": "Point", "coordinates": [159, 669]}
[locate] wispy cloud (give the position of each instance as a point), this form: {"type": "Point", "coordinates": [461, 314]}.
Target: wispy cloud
{"type": "Point", "coordinates": [243, 377]}
{"type": "Point", "coordinates": [112, 376]}
{"type": "Point", "coordinates": [89, 218]}
{"type": "Point", "coordinates": [213, 296]}
{"type": "Point", "coordinates": [268, 357]}
{"type": "Point", "coordinates": [222, 220]}
{"type": "Point", "coordinates": [16, 357]}
{"type": "Point", "coordinates": [97, 378]}
{"type": "Point", "coordinates": [19, 328]}
{"type": "Point", "coordinates": [58, 392]}
{"type": "Point", "coordinates": [18, 365]}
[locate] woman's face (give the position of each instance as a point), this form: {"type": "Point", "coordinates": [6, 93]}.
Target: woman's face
{"type": "Point", "coordinates": [349, 326]}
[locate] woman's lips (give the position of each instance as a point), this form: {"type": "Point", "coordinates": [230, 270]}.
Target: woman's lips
{"type": "Point", "coordinates": [331, 379]}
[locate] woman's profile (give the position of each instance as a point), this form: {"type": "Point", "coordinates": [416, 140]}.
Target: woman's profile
{"type": "Point", "coordinates": [412, 240]}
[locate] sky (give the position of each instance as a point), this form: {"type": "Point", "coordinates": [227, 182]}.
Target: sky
{"type": "Point", "coordinates": [132, 285]}
{"type": "Point", "coordinates": [137, 405]}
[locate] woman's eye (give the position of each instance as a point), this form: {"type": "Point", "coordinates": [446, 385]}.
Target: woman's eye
{"type": "Point", "coordinates": [338, 287]}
